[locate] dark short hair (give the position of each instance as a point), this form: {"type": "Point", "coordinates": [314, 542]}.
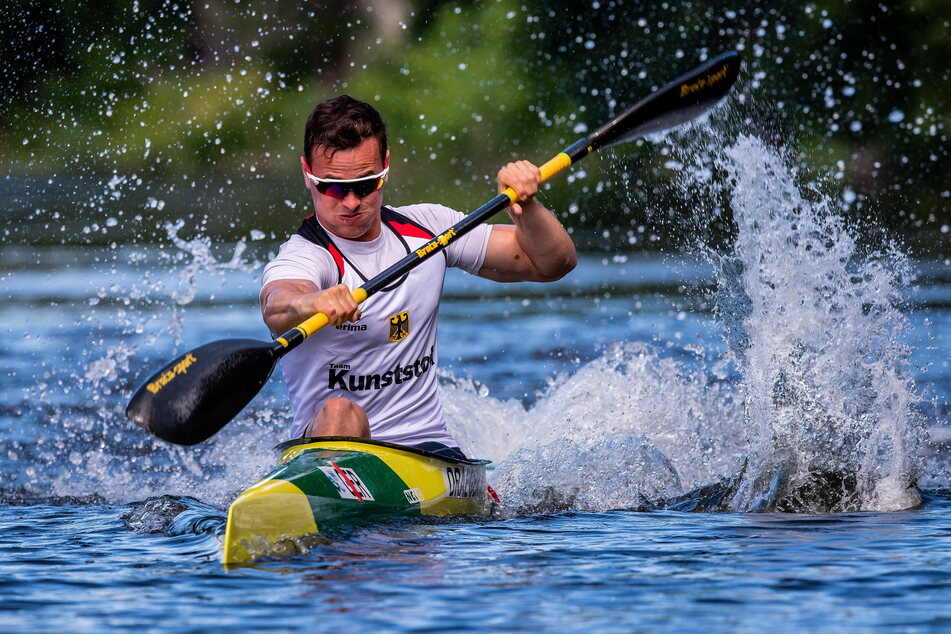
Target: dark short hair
{"type": "Point", "coordinates": [342, 123]}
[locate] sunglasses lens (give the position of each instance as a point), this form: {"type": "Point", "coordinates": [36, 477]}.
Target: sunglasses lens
{"type": "Point", "coordinates": [360, 188]}
{"type": "Point", "coordinates": [334, 190]}
{"type": "Point", "coordinates": [367, 187]}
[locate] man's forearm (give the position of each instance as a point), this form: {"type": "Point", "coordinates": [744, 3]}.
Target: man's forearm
{"type": "Point", "coordinates": [544, 240]}
{"type": "Point", "coordinates": [280, 308]}
{"type": "Point", "coordinates": [285, 304]}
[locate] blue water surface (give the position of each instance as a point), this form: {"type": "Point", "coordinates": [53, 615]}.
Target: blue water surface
{"type": "Point", "coordinates": [75, 563]}
{"type": "Point", "coordinates": [77, 567]}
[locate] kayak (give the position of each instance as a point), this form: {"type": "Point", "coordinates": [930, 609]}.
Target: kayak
{"type": "Point", "coordinates": [322, 483]}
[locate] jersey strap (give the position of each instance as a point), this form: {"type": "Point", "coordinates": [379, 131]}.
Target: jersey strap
{"type": "Point", "coordinates": [399, 224]}
{"type": "Point", "coordinates": [404, 226]}
{"type": "Point", "coordinates": [312, 231]}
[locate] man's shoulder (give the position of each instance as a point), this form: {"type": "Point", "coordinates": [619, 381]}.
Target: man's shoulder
{"type": "Point", "coordinates": [432, 215]}
{"type": "Point", "coordinates": [299, 258]}
{"type": "Point", "coordinates": [421, 208]}
{"type": "Point", "coordinates": [468, 252]}
{"type": "Point", "coordinates": [297, 244]}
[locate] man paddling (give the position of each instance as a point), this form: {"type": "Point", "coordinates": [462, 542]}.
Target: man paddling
{"type": "Point", "coordinates": [372, 375]}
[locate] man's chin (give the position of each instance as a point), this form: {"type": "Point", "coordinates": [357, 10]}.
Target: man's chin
{"type": "Point", "coordinates": [356, 229]}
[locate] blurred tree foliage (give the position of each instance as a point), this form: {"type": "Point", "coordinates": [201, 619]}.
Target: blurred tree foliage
{"type": "Point", "coordinates": [117, 116]}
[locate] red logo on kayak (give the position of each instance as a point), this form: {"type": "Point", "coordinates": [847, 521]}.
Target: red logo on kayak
{"type": "Point", "coordinates": [347, 482]}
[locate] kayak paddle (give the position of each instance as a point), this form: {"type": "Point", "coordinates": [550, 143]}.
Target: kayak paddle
{"type": "Point", "coordinates": [195, 395]}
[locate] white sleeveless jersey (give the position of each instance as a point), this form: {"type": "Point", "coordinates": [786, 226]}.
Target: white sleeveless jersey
{"type": "Point", "coordinates": [386, 361]}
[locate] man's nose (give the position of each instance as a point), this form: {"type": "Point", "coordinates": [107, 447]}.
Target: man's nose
{"type": "Point", "coordinates": [351, 200]}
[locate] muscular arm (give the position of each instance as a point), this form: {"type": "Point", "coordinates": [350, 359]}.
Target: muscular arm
{"type": "Point", "coordinates": [287, 303]}
{"type": "Point", "coordinates": [536, 248]}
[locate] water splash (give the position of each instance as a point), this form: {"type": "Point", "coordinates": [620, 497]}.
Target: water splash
{"type": "Point", "coordinates": [619, 472]}
{"type": "Point", "coordinates": [629, 427]}
{"type": "Point", "coordinates": [825, 381]}
{"type": "Point", "coordinates": [202, 260]}
{"type": "Point", "coordinates": [132, 466]}
{"type": "Point", "coordinates": [818, 417]}
{"type": "Point", "coordinates": [91, 449]}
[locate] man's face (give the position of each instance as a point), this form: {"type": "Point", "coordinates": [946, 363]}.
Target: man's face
{"type": "Point", "coordinates": [352, 217]}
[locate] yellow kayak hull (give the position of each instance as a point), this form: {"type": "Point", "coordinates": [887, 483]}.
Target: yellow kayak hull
{"type": "Point", "coordinates": [321, 483]}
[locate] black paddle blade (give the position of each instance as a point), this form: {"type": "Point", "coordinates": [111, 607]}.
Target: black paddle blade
{"type": "Point", "coordinates": [679, 101]}
{"type": "Point", "coordinates": [194, 396]}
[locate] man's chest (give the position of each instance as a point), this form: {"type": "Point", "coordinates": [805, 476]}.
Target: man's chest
{"type": "Point", "coordinates": [398, 315]}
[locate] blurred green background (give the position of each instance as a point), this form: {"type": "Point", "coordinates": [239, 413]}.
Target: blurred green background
{"type": "Point", "coordinates": [117, 117]}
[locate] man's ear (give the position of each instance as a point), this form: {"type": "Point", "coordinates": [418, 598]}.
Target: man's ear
{"type": "Point", "coordinates": [304, 169]}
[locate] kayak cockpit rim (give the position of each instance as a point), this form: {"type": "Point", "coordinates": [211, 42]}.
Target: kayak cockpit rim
{"type": "Point", "coordinates": [284, 446]}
